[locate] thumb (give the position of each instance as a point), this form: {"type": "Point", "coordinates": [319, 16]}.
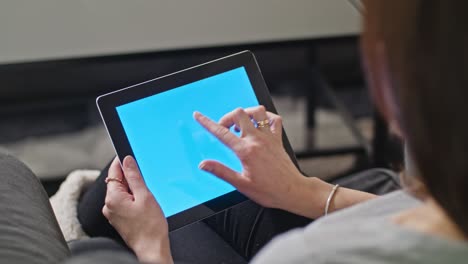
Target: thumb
{"type": "Point", "coordinates": [133, 176]}
{"type": "Point", "coordinates": [221, 171]}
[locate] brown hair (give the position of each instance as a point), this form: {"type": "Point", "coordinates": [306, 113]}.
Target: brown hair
{"type": "Point", "coordinates": [426, 55]}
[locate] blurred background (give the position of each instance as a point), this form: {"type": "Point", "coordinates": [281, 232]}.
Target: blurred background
{"type": "Point", "coordinates": [57, 56]}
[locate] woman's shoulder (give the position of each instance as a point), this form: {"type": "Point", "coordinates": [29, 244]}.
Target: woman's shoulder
{"type": "Point", "coordinates": [379, 242]}
{"type": "Point", "coordinates": [370, 238]}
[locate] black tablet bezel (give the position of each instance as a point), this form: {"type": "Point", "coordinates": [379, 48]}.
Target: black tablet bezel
{"type": "Point", "coordinates": [107, 106]}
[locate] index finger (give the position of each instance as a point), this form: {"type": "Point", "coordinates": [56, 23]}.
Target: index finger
{"type": "Point", "coordinates": [220, 132]}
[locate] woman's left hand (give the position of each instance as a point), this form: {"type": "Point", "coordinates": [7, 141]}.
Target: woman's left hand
{"type": "Point", "coordinates": [133, 211]}
{"type": "Point", "coordinates": [269, 177]}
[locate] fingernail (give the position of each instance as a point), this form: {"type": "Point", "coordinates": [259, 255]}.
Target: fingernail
{"type": "Point", "coordinates": [129, 162]}
{"type": "Point", "coordinates": [203, 166]}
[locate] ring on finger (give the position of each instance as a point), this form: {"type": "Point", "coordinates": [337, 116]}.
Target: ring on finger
{"type": "Point", "coordinates": [263, 123]}
{"type": "Point", "coordinates": [109, 179]}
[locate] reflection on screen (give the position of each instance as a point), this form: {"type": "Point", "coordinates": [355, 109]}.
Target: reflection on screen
{"type": "Point", "coordinates": [169, 144]}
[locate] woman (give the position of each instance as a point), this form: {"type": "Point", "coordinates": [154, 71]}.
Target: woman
{"type": "Point", "coordinates": [417, 68]}
{"type": "Point", "coordinates": [416, 63]}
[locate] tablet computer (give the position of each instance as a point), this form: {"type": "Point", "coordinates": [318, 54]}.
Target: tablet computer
{"type": "Point", "coordinates": [153, 122]}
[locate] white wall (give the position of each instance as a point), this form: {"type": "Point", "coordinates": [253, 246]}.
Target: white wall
{"type": "Point", "coordinates": [48, 29]}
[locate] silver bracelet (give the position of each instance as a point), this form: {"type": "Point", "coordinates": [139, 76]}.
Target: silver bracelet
{"type": "Point", "coordinates": [330, 197]}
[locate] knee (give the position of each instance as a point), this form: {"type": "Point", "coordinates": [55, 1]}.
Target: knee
{"type": "Point", "coordinates": [384, 174]}
{"type": "Point", "coordinates": [377, 181]}
{"type": "Point", "coordinates": [13, 170]}
{"type": "Point", "coordinates": [4, 153]}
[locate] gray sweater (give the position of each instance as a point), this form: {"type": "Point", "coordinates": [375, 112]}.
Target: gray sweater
{"type": "Point", "coordinates": [363, 234]}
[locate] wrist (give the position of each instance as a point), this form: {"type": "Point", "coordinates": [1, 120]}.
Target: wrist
{"type": "Point", "coordinates": [154, 251]}
{"type": "Point", "coordinates": [309, 197]}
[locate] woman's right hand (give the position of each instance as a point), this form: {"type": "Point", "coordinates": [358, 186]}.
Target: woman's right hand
{"type": "Point", "coordinates": [269, 177]}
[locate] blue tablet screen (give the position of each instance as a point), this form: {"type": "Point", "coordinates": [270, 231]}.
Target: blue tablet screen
{"type": "Point", "coordinates": [168, 143]}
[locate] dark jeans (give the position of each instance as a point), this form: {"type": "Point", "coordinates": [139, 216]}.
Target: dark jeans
{"type": "Point", "coordinates": [232, 236]}
{"type": "Point", "coordinates": [29, 232]}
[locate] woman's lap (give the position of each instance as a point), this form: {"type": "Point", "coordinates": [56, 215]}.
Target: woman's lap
{"type": "Point", "coordinates": [246, 228]}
